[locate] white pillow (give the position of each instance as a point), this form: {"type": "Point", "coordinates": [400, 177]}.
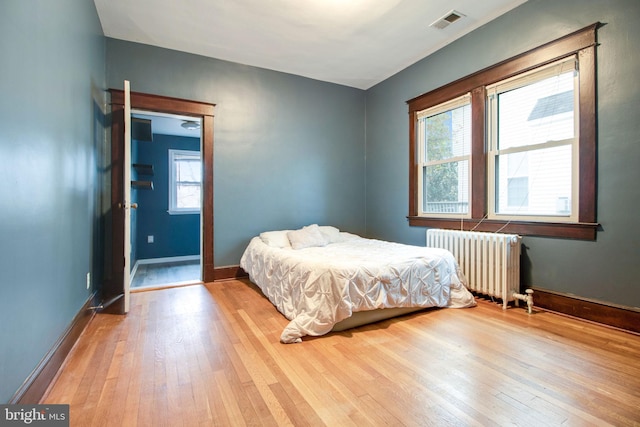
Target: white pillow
{"type": "Point", "coordinates": [331, 234]}
{"type": "Point", "coordinates": [276, 239]}
{"type": "Point", "coordinates": [306, 237]}
{"type": "Point", "coordinates": [345, 236]}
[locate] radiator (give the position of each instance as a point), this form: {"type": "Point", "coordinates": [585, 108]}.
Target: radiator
{"type": "Point", "coordinates": [489, 261]}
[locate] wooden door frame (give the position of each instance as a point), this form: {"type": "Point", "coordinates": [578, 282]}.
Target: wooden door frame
{"type": "Point", "coordinates": [161, 104]}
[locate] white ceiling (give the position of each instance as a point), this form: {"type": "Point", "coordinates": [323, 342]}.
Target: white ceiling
{"type": "Point", "coordinates": [356, 43]}
{"type": "Point", "coordinates": [169, 124]}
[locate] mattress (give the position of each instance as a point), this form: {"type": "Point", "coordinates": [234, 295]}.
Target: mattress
{"type": "Point", "coordinates": [319, 286]}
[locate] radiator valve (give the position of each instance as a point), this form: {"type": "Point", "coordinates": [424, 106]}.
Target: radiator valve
{"type": "Point", "coordinates": [528, 298]}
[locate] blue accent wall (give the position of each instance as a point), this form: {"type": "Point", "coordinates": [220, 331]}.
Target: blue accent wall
{"type": "Point", "coordinates": [174, 235]}
{"type": "Point", "coordinates": [51, 146]}
{"type": "Point", "coordinates": [288, 150]}
{"type": "Point", "coordinates": [606, 269]}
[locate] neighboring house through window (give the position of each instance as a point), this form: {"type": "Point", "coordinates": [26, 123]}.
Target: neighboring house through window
{"type": "Point", "coordinates": [533, 145]}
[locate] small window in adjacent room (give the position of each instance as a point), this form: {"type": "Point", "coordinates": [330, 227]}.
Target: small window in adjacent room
{"type": "Point", "coordinates": [185, 178]}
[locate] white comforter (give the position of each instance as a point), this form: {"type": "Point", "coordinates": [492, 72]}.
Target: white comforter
{"type": "Point", "coordinates": [317, 287]}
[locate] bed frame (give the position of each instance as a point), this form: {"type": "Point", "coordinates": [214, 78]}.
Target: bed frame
{"type": "Point", "coordinates": [360, 318]}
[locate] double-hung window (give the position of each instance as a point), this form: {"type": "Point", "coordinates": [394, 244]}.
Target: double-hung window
{"type": "Point", "coordinates": [444, 141]}
{"type": "Point", "coordinates": [512, 147]}
{"type": "Point", "coordinates": [532, 145]}
{"type": "Point", "coordinates": [185, 180]}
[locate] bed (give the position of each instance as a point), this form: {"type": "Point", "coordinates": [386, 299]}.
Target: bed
{"type": "Point", "coordinates": [323, 279]}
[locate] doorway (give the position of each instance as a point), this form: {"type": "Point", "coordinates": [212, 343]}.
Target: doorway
{"type": "Point", "coordinates": [166, 187]}
{"type": "Point", "coordinates": [114, 284]}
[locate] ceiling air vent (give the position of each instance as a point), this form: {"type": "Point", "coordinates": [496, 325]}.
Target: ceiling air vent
{"type": "Point", "coordinates": [446, 20]}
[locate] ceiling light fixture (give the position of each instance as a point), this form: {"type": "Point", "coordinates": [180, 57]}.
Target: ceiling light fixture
{"type": "Point", "coordinates": [190, 125]}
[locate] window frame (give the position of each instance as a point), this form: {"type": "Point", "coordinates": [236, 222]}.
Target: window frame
{"type": "Point", "coordinates": [494, 151]}
{"type": "Point", "coordinates": [460, 101]}
{"type": "Point", "coordinates": [173, 183]}
{"type": "Point", "coordinates": [582, 45]}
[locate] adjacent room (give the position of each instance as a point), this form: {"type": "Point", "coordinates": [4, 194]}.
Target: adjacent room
{"type": "Point", "coordinates": [183, 160]}
{"type": "Point", "coordinates": [165, 225]}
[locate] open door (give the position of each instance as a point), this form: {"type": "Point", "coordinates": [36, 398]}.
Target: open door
{"type": "Point", "coordinates": [126, 203]}
{"type": "Point", "coordinates": [115, 293]}
{"type": "Point", "coordinates": [116, 287]}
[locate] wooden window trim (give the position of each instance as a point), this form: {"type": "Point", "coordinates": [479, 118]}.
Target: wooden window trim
{"type": "Point", "coordinates": [581, 43]}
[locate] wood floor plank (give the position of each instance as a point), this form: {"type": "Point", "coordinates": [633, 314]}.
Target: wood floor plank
{"type": "Point", "coordinates": [509, 373]}
{"type": "Point", "coordinates": [210, 355]}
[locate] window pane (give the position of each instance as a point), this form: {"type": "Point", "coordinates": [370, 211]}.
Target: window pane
{"type": "Point", "coordinates": [188, 170]}
{"type": "Point", "coordinates": [447, 134]}
{"type": "Point", "coordinates": [446, 188]}
{"type": "Point", "coordinates": [188, 196]}
{"type": "Point", "coordinates": [546, 174]}
{"type": "Point", "coordinates": [518, 192]}
{"type": "Point", "coordinates": [537, 113]}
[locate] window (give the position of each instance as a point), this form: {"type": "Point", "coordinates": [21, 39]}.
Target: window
{"type": "Point", "coordinates": [532, 145]}
{"type": "Point", "coordinates": [512, 147]}
{"type": "Point", "coordinates": [185, 177]}
{"type": "Point", "coordinates": [444, 139]}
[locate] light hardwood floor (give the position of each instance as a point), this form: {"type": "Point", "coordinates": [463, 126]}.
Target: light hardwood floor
{"type": "Point", "coordinates": [209, 355]}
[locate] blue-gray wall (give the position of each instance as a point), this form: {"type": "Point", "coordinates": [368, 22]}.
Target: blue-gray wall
{"type": "Point", "coordinates": [174, 235]}
{"type": "Point", "coordinates": [605, 269]}
{"type": "Point", "coordinates": [288, 151]}
{"type": "Point", "coordinates": [51, 139]}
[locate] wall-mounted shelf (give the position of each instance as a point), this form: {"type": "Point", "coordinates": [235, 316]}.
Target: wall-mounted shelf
{"type": "Point", "coordinates": [143, 169]}
{"type": "Point", "coordinates": [145, 185]}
